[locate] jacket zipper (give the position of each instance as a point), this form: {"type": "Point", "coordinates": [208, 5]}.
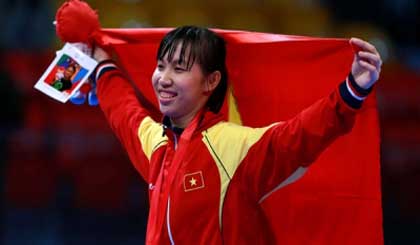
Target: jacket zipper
{"type": "Point", "coordinates": [168, 225]}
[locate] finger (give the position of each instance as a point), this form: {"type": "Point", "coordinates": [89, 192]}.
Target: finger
{"type": "Point", "coordinates": [368, 66]}
{"type": "Point", "coordinates": [371, 58]}
{"type": "Point", "coordinates": [363, 45]}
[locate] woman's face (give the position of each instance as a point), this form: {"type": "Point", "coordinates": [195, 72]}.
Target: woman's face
{"type": "Point", "coordinates": [181, 92]}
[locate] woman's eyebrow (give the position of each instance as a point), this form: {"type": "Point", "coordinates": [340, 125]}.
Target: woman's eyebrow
{"type": "Point", "coordinates": [178, 62]}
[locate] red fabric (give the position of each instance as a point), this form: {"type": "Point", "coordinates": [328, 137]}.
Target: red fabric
{"type": "Point", "coordinates": [274, 77]}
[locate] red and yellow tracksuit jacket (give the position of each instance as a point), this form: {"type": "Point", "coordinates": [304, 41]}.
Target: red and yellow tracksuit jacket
{"type": "Point", "coordinates": [207, 183]}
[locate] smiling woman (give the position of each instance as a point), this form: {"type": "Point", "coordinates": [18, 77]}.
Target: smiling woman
{"type": "Point", "coordinates": [207, 177]}
{"type": "Point", "coordinates": [190, 68]}
{"type": "Point", "coordinates": [181, 90]}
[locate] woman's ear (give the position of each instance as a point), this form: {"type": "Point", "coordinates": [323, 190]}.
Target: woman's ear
{"type": "Point", "coordinates": [212, 80]}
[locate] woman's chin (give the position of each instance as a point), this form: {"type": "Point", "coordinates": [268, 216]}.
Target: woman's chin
{"type": "Point", "coordinates": [167, 110]}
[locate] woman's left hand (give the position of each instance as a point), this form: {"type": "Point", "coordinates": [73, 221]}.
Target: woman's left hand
{"type": "Point", "coordinates": [367, 63]}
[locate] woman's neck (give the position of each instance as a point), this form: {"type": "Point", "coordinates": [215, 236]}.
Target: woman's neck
{"type": "Point", "coordinates": [183, 121]}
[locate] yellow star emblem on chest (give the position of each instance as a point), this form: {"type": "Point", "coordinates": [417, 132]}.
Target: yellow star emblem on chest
{"type": "Point", "coordinates": [193, 181]}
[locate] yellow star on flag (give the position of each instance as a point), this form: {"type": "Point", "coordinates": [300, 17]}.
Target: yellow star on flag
{"type": "Point", "coordinates": [193, 181]}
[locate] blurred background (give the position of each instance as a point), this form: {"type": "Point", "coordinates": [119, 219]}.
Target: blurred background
{"type": "Point", "coordinates": [66, 180]}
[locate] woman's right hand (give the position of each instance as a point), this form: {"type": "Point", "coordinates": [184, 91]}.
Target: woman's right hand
{"type": "Point", "coordinates": [100, 54]}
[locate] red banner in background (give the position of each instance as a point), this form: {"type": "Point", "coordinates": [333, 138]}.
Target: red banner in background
{"type": "Point", "coordinates": [274, 77]}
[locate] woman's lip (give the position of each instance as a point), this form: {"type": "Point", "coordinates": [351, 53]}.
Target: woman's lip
{"type": "Point", "coordinates": [167, 94]}
{"type": "Point", "coordinates": [166, 97]}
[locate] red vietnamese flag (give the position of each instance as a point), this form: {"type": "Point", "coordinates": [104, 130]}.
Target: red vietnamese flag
{"type": "Point", "coordinates": [274, 77]}
{"type": "Point", "coordinates": [193, 181]}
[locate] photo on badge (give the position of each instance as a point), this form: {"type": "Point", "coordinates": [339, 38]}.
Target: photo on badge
{"type": "Point", "coordinates": [66, 73]}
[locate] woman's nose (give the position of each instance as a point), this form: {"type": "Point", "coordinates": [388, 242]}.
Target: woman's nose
{"type": "Point", "coordinates": [165, 79]}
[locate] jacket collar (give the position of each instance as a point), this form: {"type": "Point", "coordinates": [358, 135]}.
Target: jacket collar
{"type": "Point", "coordinates": [202, 121]}
{"type": "Point", "coordinates": [167, 124]}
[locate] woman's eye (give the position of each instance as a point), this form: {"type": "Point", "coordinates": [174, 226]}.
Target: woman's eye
{"type": "Point", "coordinates": [179, 69]}
{"type": "Point", "coordinates": [160, 67]}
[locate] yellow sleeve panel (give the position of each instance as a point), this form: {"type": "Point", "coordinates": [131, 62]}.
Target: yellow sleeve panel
{"type": "Point", "coordinates": [150, 135]}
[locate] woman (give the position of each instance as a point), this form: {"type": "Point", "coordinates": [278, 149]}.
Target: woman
{"type": "Point", "coordinates": [207, 178]}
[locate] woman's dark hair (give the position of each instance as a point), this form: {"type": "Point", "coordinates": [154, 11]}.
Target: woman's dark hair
{"type": "Point", "coordinates": [206, 48]}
